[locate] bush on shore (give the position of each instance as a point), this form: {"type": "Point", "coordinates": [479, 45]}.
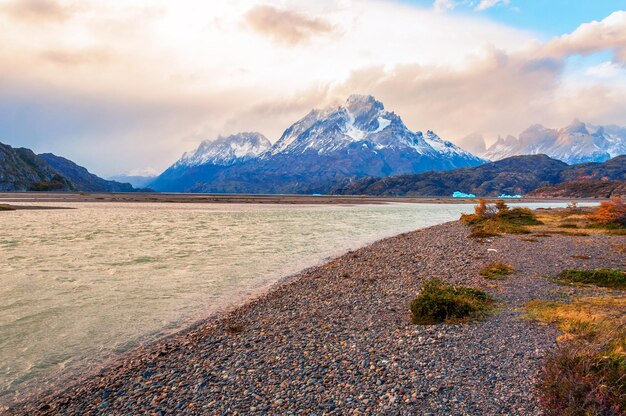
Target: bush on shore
{"type": "Point", "coordinates": [614, 279]}
{"type": "Point", "coordinates": [610, 214]}
{"type": "Point", "coordinates": [586, 375]}
{"type": "Point", "coordinates": [496, 270]}
{"type": "Point", "coordinates": [491, 219]}
{"type": "Point", "coordinates": [442, 302]}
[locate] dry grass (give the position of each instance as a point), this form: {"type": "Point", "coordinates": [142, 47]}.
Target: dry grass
{"type": "Point", "coordinates": [586, 375]}
{"type": "Point", "coordinates": [497, 270]}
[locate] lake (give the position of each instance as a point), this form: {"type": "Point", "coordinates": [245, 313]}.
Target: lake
{"type": "Point", "coordinates": [80, 286]}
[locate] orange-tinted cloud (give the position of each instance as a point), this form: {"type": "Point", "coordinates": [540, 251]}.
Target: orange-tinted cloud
{"type": "Point", "coordinates": [37, 11]}
{"type": "Point", "coordinates": [284, 25]}
{"type": "Point", "coordinates": [76, 57]}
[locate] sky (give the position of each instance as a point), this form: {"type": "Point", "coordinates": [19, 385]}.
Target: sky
{"type": "Point", "coordinates": [123, 86]}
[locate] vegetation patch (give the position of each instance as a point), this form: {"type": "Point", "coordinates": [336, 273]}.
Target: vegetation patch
{"type": "Point", "coordinates": [568, 225]}
{"type": "Point", "coordinates": [492, 219]}
{"type": "Point", "coordinates": [610, 214]}
{"type": "Point", "coordinates": [5, 207]}
{"type": "Point", "coordinates": [497, 270]}
{"type": "Point", "coordinates": [614, 279]}
{"type": "Point", "coordinates": [586, 375]}
{"type": "Point", "coordinates": [441, 302]}
{"type": "Point", "coordinates": [581, 257]}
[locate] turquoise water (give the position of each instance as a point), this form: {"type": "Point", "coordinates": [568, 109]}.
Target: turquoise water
{"type": "Point", "coordinates": [79, 286]}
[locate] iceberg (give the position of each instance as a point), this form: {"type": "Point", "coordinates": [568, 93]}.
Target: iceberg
{"type": "Point", "coordinates": [458, 194]}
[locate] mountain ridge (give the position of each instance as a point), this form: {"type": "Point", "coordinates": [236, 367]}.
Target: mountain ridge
{"type": "Point", "coordinates": [322, 149]}
{"type": "Point", "coordinates": [513, 175]}
{"type": "Point", "coordinates": [577, 142]}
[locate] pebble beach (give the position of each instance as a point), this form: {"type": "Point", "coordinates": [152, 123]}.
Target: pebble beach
{"type": "Point", "coordinates": [338, 339]}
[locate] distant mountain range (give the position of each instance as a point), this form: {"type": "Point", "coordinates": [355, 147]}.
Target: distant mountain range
{"type": "Point", "coordinates": [23, 170]}
{"type": "Point", "coordinates": [513, 175]}
{"type": "Point", "coordinates": [576, 143]}
{"type": "Point", "coordinates": [322, 150]}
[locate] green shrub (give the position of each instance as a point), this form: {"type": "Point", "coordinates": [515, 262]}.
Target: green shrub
{"type": "Point", "coordinates": [441, 302]}
{"type": "Point", "coordinates": [615, 279]}
{"type": "Point", "coordinates": [519, 216]}
{"type": "Point", "coordinates": [497, 270]}
{"type": "Point", "coordinates": [492, 220]}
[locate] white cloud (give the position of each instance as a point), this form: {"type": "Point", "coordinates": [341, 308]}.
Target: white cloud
{"type": "Point", "coordinates": [486, 4]}
{"type": "Point", "coordinates": [443, 5]}
{"type": "Point", "coordinates": [606, 70]}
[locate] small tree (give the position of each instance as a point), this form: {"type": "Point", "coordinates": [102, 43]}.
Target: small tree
{"type": "Point", "coordinates": [610, 212]}
{"type": "Point", "coordinates": [485, 210]}
{"type": "Point", "coordinates": [501, 206]}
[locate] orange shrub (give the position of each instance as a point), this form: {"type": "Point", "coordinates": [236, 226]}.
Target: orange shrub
{"type": "Point", "coordinates": [610, 212]}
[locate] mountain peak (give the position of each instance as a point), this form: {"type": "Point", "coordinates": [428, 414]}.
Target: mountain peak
{"type": "Point", "coordinates": [576, 126]}
{"type": "Point", "coordinates": [363, 103]}
{"type": "Point", "coordinates": [226, 150]}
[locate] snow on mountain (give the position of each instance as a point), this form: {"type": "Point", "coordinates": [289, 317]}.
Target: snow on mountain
{"type": "Point", "coordinates": [325, 148]}
{"type": "Point", "coordinates": [575, 143]}
{"type": "Point", "coordinates": [225, 151]}
{"type": "Point", "coordinates": [362, 119]}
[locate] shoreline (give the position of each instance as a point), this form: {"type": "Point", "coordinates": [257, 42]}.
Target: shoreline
{"type": "Point", "coordinates": [62, 197]}
{"type": "Point", "coordinates": [348, 283]}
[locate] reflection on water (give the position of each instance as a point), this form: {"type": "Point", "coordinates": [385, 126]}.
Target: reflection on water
{"type": "Point", "coordinates": [78, 286]}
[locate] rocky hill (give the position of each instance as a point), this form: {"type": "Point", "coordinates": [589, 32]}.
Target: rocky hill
{"type": "Point", "coordinates": [582, 189]}
{"type": "Point", "coordinates": [514, 175]}
{"type": "Point", "coordinates": [23, 170]}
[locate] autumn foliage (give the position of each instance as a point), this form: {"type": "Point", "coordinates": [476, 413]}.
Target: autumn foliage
{"type": "Point", "coordinates": [611, 212]}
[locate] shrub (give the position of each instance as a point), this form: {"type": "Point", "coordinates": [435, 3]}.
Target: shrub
{"type": "Point", "coordinates": [586, 375]}
{"type": "Point", "coordinates": [577, 381]}
{"type": "Point", "coordinates": [442, 302]}
{"type": "Point", "coordinates": [497, 270]}
{"type": "Point", "coordinates": [611, 212]}
{"type": "Point", "coordinates": [519, 216]}
{"type": "Point", "coordinates": [615, 279]}
{"type": "Point", "coordinates": [5, 207]}
{"type": "Point", "coordinates": [491, 220]}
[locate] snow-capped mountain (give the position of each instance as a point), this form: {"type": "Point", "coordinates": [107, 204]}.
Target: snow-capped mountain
{"type": "Point", "coordinates": [325, 148]}
{"type": "Point", "coordinates": [361, 120]}
{"type": "Point", "coordinates": [576, 143]}
{"type": "Point", "coordinates": [225, 151]}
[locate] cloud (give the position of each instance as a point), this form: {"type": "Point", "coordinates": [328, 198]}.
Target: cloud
{"type": "Point", "coordinates": [605, 70]}
{"type": "Point", "coordinates": [596, 36]}
{"type": "Point", "coordinates": [37, 11]}
{"type": "Point", "coordinates": [284, 25]}
{"type": "Point", "coordinates": [487, 4]}
{"type": "Point", "coordinates": [443, 5]}
{"type": "Point", "coordinates": [76, 57]}
{"type": "Point", "coordinates": [124, 85]}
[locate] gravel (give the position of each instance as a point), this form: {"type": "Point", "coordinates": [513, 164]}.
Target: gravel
{"type": "Point", "coordinates": [337, 339]}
